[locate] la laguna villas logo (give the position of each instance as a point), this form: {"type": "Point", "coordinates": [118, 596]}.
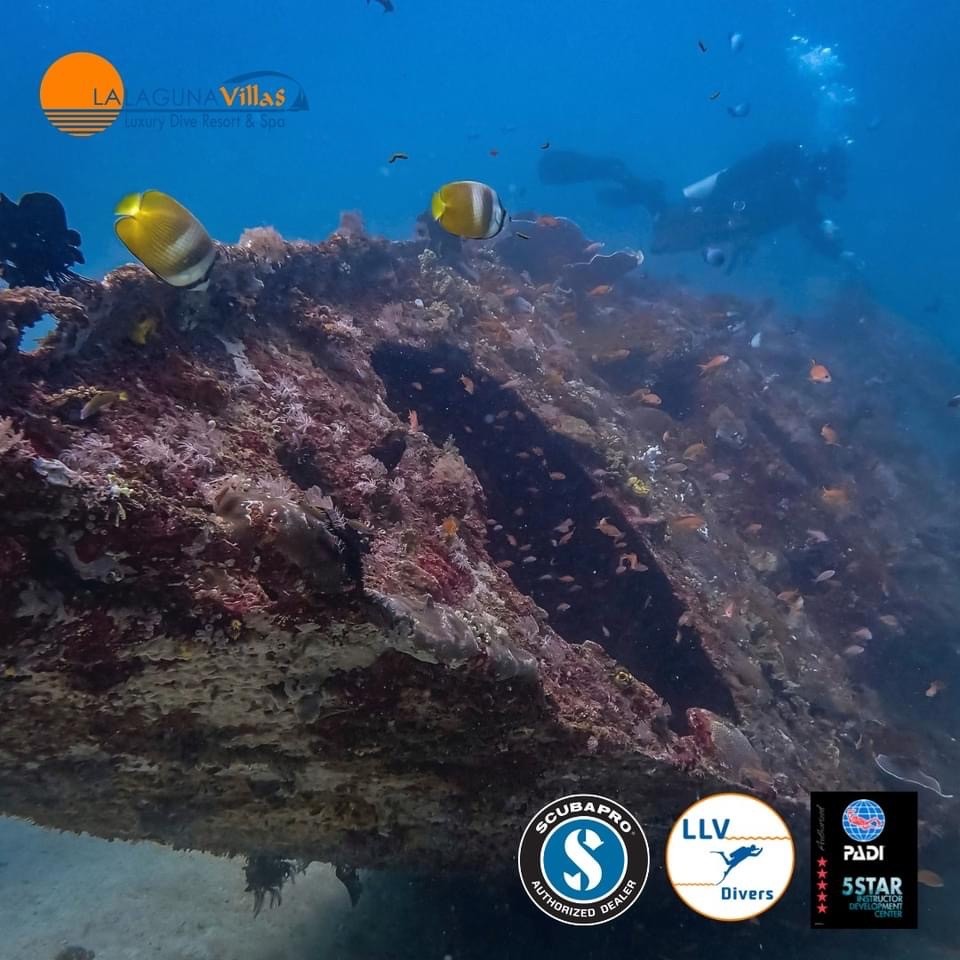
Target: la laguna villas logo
{"type": "Point", "coordinates": [83, 93]}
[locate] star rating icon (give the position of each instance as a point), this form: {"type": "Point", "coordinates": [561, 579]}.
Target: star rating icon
{"type": "Point", "coordinates": [822, 907]}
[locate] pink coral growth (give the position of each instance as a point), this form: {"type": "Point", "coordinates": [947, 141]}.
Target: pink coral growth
{"type": "Point", "coordinates": [265, 243]}
{"type": "Point", "coordinates": [453, 581]}
{"type": "Point", "coordinates": [351, 224]}
{"type": "Point", "coordinates": [189, 444]}
{"type": "Point", "coordinates": [11, 440]}
{"type": "Point", "coordinates": [93, 454]}
{"type": "Point", "coordinates": [229, 593]}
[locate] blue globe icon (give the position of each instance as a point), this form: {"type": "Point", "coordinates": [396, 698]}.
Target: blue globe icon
{"type": "Point", "coordinates": [863, 820]}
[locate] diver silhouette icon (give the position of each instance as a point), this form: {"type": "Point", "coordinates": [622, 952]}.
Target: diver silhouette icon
{"type": "Point", "coordinates": [737, 857]}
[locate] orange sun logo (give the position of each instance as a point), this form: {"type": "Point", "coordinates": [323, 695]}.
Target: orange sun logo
{"type": "Point", "coordinates": [81, 94]}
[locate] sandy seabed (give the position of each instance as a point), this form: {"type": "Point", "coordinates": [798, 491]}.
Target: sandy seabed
{"type": "Point", "coordinates": [133, 901]}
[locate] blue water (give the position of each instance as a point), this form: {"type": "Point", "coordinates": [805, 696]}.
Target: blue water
{"type": "Point", "coordinates": [447, 83]}
{"type": "Point", "coordinates": [612, 76]}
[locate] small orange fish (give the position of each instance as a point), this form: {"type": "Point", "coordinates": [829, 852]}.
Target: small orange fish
{"type": "Point", "coordinates": [720, 476]}
{"type": "Point", "coordinates": [601, 290]}
{"type": "Point", "coordinates": [563, 607]}
{"type": "Point", "coordinates": [630, 561]}
{"type": "Point", "coordinates": [413, 420]}
{"type": "Point", "coordinates": [564, 527]}
{"type": "Point", "coordinates": [819, 373]}
{"type": "Point", "coordinates": [608, 529]}
{"type": "Point", "coordinates": [557, 475]}
{"type": "Point", "coordinates": [510, 292]}
{"type": "Point", "coordinates": [592, 248]}
{"type": "Point", "coordinates": [817, 536]}
{"type": "Point", "coordinates": [713, 363]}
{"type": "Point", "coordinates": [416, 385]}
{"type": "Point", "coordinates": [512, 540]}
{"type": "Point", "coordinates": [829, 435]}
{"type": "Point", "coordinates": [566, 578]}
{"type": "Point", "coordinates": [436, 371]}
{"type": "Point", "coordinates": [935, 688]}
{"type": "Point", "coordinates": [449, 527]}
{"type": "Point", "coordinates": [651, 399]}
{"type": "Point", "coordinates": [688, 522]}
{"type": "Point", "coordinates": [788, 596]}
{"type": "Point", "coordinates": [854, 650]}
{"type": "Point", "coordinates": [929, 879]}
{"type": "Point", "coordinates": [695, 451]}
{"type": "Point", "coordinates": [889, 620]}
{"type": "Point", "coordinates": [548, 221]}
{"type": "Point", "coordinates": [752, 529]}
{"type": "Point", "coordinates": [505, 564]}
{"type": "Point", "coordinates": [835, 496]}
{"type": "Point", "coordinates": [467, 384]}
{"type": "Point", "coordinates": [537, 451]}
{"type": "Point", "coordinates": [566, 538]}
{"type": "Point", "coordinates": [863, 633]}
{"type": "Point", "coordinates": [729, 609]}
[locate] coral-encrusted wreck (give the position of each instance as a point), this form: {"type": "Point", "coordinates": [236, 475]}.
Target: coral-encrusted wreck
{"type": "Point", "coordinates": [354, 558]}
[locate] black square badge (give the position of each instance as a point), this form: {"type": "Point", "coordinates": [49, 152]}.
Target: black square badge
{"type": "Point", "coordinates": [863, 860]}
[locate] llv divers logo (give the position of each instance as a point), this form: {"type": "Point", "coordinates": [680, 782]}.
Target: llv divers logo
{"type": "Point", "coordinates": [730, 857]}
{"type": "Point", "coordinates": [584, 859]}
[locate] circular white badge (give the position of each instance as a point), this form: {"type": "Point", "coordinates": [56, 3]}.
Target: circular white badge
{"type": "Point", "coordinates": [730, 857]}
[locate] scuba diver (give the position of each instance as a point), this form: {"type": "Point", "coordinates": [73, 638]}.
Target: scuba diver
{"type": "Point", "coordinates": [737, 857]}
{"type": "Point", "coordinates": [37, 249]}
{"type": "Point", "coordinates": [726, 213]}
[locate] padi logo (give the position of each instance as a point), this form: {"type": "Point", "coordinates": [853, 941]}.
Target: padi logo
{"type": "Point", "coordinates": [584, 859]}
{"type": "Point", "coordinates": [869, 852]}
{"type": "Point", "coordinates": [730, 857]}
{"type": "Point", "coordinates": [863, 820]}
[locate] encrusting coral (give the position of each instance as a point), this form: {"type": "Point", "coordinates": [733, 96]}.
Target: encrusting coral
{"type": "Point", "coordinates": [385, 547]}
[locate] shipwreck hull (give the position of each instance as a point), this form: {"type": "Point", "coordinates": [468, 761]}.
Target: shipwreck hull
{"type": "Point", "coordinates": [260, 606]}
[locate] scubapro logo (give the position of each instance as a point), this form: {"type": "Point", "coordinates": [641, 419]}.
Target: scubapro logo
{"type": "Point", "coordinates": [584, 859]}
{"type": "Point", "coordinates": [730, 857]}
